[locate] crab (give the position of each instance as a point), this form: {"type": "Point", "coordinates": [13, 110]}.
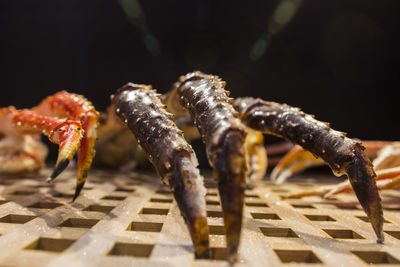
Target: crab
{"type": "Point", "coordinates": [232, 131]}
{"type": "Point", "coordinates": [68, 120]}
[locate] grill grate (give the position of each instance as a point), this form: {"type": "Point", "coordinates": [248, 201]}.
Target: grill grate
{"type": "Point", "coordinates": [129, 219]}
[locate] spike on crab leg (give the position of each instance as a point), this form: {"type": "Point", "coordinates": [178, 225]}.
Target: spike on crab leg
{"type": "Point", "coordinates": [78, 108]}
{"type": "Point", "coordinates": [344, 155]}
{"type": "Point", "coordinates": [67, 134]}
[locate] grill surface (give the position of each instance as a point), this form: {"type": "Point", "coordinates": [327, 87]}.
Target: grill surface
{"type": "Point", "coordinates": [131, 219]}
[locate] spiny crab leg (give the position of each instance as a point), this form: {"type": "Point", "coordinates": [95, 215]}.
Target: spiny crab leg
{"type": "Point", "coordinates": [74, 107]}
{"type": "Point", "coordinates": [224, 136]}
{"type": "Point", "coordinates": [141, 110]}
{"type": "Point", "coordinates": [344, 155]}
{"type": "Point", "coordinates": [66, 133]}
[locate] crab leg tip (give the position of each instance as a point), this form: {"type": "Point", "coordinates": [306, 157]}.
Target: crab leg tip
{"type": "Point", "coordinates": [78, 191]}
{"type": "Point", "coordinates": [60, 167]}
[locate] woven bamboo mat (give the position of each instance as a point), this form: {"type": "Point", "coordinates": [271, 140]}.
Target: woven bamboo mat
{"type": "Point", "coordinates": [132, 220]}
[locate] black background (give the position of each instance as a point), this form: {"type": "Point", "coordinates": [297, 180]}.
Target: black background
{"type": "Point", "coordinates": [336, 59]}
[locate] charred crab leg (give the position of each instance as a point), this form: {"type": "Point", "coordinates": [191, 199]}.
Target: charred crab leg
{"type": "Point", "coordinates": [74, 107]}
{"type": "Point", "coordinates": [173, 158]}
{"type": "Point", "coordinates": [66, 133]}
{"type": "Point", "coordinates": [224, 136]}
{"type": "Point", "coordinates": [344, 155]}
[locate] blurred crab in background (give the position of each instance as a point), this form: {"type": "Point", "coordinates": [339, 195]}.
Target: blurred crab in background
{"type": "Point", "coordinates": [386, 162]}
{"type": "Point", "coordinates": [68, 120]}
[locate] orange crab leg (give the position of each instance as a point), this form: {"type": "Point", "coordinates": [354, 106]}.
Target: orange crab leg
{"type": "Point", "coordinates": [276, 152]}
{"type": "Point", "coordinates": [389, 183]}
{"type": "Point", "coordinates": [386, 178]}
{"type": "Point", "coordinates": [298, 159]}
{"type": "Point", "coordinates": [75, 107]}
{"type": "Point", "coordinates": [67, 134]}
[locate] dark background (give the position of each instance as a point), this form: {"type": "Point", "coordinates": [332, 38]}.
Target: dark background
{"type": "Point", "coordinates": [336, 59]}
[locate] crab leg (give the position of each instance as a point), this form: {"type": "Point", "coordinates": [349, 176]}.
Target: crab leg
{"type": "Point", "coordinates": [74, 107]}
{"type": "Point", "coordinates": [224, 136]}
{"type": "Point", "coordinates": [66, 133]}
{"type": "Point", "coordinates": [298, 159]}
{"type": "Point", "coordinates": [257, 157]}
{"type": "Point", "coordinates": [388, 156]}
{"type": "Point", "coordinates": [383, 177]}
{"type": "Point", "coordinates": [344, 155]}
{"type": "Point", "coordinates": [277, 151]}
{"type": "Point", "coordinates": [173, 158]}
{"type": "Point", "coordinates": [389, 183]}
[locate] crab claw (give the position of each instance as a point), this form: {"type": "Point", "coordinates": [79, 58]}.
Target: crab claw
{"type": "Point", "coordinates": [68, 135]}
{"type": "Point", "coordinates": [296, 160]}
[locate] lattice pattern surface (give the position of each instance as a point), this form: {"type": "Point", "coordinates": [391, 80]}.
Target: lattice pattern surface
{"type": "Point", "coordinates": [132, 220]}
